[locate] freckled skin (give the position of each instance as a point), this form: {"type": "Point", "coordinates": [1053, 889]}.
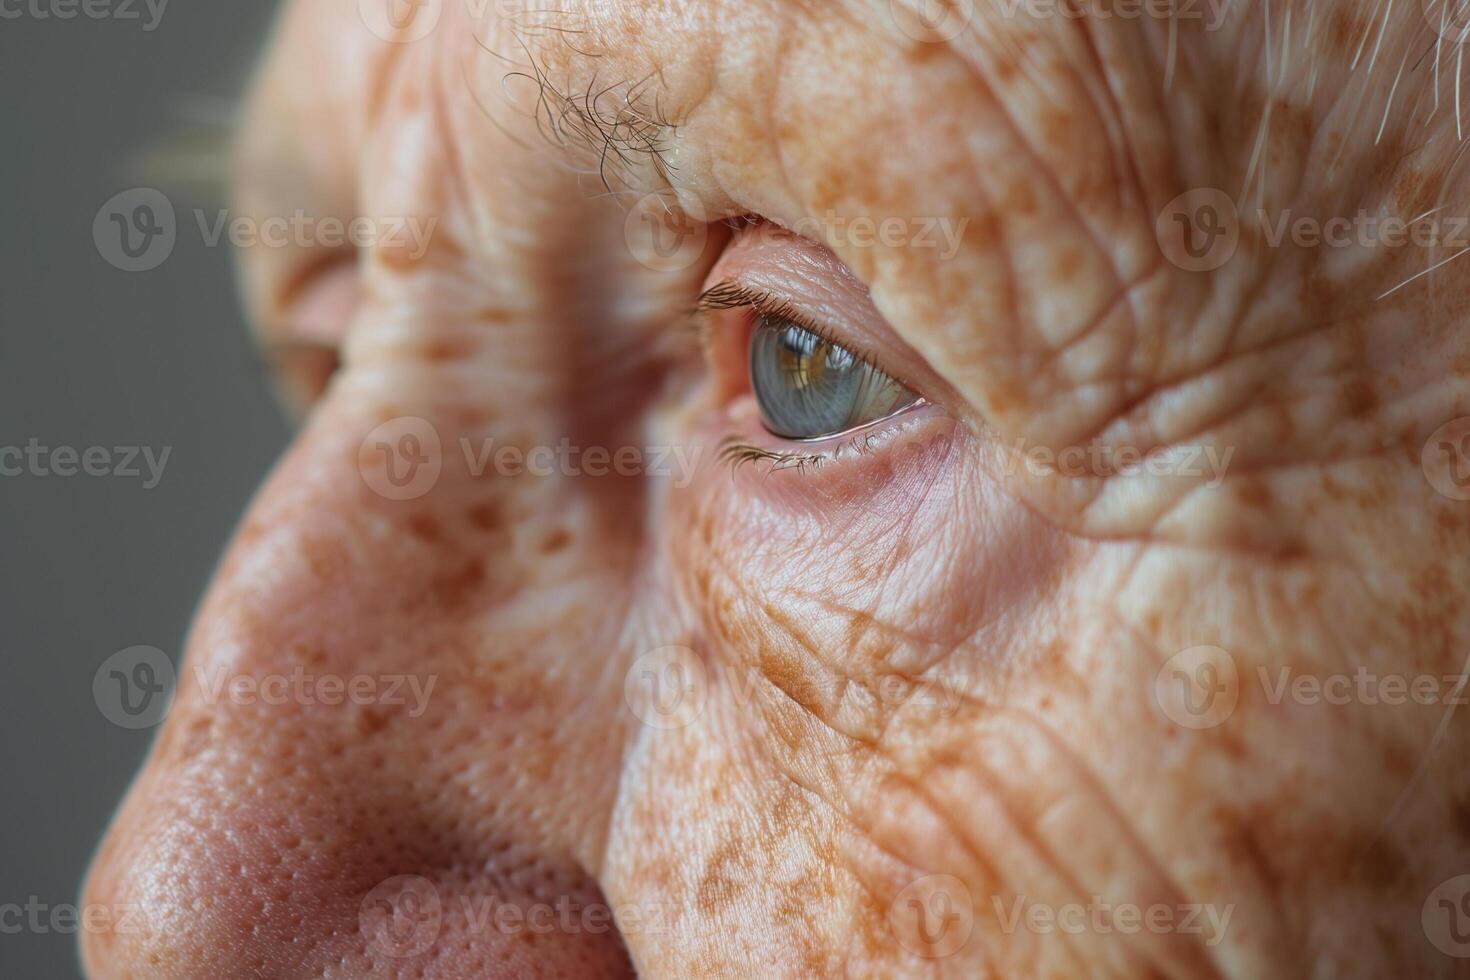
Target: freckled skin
{"type": "Point", "coordinates": [924, 659]}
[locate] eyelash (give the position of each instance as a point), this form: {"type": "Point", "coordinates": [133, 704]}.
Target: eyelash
{"type": "Point", "coordinates": [734, 296]}
{"type": "Point", "coordinates": [735, 452]}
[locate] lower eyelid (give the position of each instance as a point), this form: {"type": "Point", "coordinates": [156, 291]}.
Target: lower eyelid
{"type": "Point", "coordinates": [762, 447]}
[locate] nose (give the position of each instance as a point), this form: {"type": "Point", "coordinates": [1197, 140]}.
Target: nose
{"type": "Point", "coordinates": [378, 763]}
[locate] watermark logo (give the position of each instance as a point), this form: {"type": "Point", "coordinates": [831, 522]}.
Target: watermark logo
{"type": "Point", "coordinates": [1198, 688]}
{"type": "Point", "coordinates": [1445, 459]}
{"type": "Point", "coordinates": [400, 21]}
{"type": "Point", "coordinates": [402, 458]}
{"type": "Point", "coordinates": [666, 233]}
{"type": "Point", "coordinates": [1199, 230]}
{"type": "Point", "coordinates": [667, 687]}
{"type": "Point", "coordinates": [401, 917]}
{"type": "Point", "coordinates": [136, 230]}
{"type": "Point", "coordinates": [134, 688]}
{"type": "Point", "coordinates": [931, 21]}
{"type": "Point", "coordinates": [933, 916]}
{"type": "Point", "coordinates": [1446, 917]}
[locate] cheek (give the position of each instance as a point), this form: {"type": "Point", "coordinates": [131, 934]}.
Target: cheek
{"type": "Point", "coordinates": [857, 623]}
{"type": "Point", "coordinates": [845, 585]}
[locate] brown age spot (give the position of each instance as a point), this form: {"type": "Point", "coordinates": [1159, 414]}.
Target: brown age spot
{"type": "Point", "coordinates": [1380, 864]}
{"type": "Point", "coordinates": [194, 739]}
{"type": "Point", "coordinates": [785, 672]}
{"type": "Point", "coordinates": [484, 516]}
{"type": "Point", "coordinates": [1240, 837]}
{"type": "Point", "coordinates": [1450, 521]}
{"type": "Point", "coordinates": [1069, 264]}
{"type": "Point", "coordinates": [311, 654]}
{"type": "Point", "coordinates": [454, 588]}
{"type": "Point", "coordinates": [457, 416]}
{"type": "Point", "coordinates": [371, 719]}
{"type": "Point", "coordinates": [1020, 199]}
{"type": "Point", "coordinates": [717, 885]}
{"type": "Point", "coordinates": [447, 350]}
{"type": "Point", "coordinates": [1283, 423]}
{"type": "Point", "coordinates": [1360, 396]}
{"type": "Point", "coordinates": [1346, 27]}
{"type": "Point", "coordinates": [1254, 493]}
{"type": "Point", "coordinates": [425, 527]}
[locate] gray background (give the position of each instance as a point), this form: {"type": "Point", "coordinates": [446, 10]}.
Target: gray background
{"type": "Point", "coordinates": [92, 356]}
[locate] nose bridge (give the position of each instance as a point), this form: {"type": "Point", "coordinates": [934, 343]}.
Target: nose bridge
{"type": "Point", "coordinates": [381, 759]}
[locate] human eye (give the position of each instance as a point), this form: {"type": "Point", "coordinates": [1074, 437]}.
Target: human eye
{"type": "Point", "coordinates": [806, 366]}
{"type": "Point", "coordinates": [807, 384]}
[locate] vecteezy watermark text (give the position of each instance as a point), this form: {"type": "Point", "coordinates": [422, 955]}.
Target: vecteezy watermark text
{"type": "Point", "coordinates": [1201, 686]}
{"type": "Point", "coordinates": [86, 9]}
{"type": "Point", "coordinates": [136, 230]}
{"type": "Point", "coordinates": [134, 688]}
{"type": "Point", "coordinates": [404, 915]}
{"type": "Point", "coordinates": [39, 917]}
{"type": "Point", "coordinates": [404, 457]}
{"type": "Point", "coordinates": [668, 687]}
{"type": "Point", "coordinates": [1098, 916]}
{"type": "Point", "coordinates": [1362, 686]}
{"type": "Point", "coordinates": [1210, 12]}
{"type": "Point", "coordinates": [1102, 460]}
{"type": "Point", "coordinates": [34, 459]}
{"type": "Point", "coordinates": [300, 687]}
{"type": "Point", "coordinates": [1201, 229]}
{"type": "Point", "coordinates": [566, 459]}
{"type": "Point", "coordinates": [410, 235]}
{"type": "Point", "coordinates": [938, 21]}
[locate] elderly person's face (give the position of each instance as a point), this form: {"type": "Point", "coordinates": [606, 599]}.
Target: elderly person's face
{"type": "Point", "coordinates": [798, 499]}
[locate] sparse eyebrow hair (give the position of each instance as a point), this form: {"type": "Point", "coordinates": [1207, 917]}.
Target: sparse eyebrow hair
{"type": "Point", "coordinates": [617, 130]}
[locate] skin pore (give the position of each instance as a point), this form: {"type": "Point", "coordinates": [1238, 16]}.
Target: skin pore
{"type": "Point", "coordinates": [923, 667]}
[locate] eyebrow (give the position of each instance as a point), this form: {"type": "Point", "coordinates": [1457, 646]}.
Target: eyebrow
{"type": "Point", "coordinates": [617, 130]}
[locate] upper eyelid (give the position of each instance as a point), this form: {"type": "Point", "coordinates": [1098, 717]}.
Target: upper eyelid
{"type": "Point", "coordinates": [729, 294]}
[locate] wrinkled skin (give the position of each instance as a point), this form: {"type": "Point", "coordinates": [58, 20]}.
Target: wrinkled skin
{"type": "Point", "coordinates": [775, 833]}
